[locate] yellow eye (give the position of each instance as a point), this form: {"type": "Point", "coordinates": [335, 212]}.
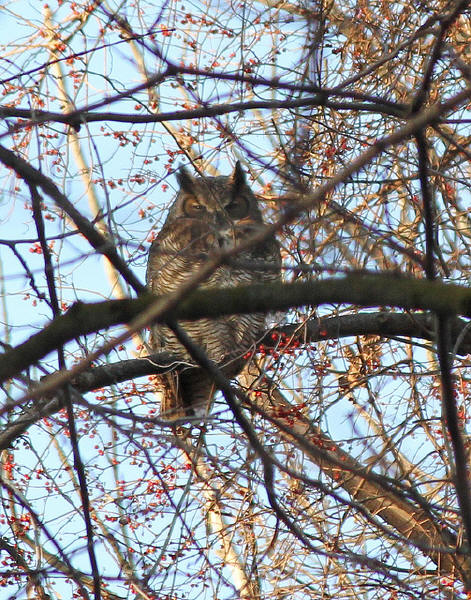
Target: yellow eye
{"type": "Point", "coordinates": [192, 207]}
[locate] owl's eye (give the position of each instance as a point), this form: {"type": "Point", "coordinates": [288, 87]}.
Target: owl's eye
{"type": "Point", "coordinates": [193, 208]}
{"type": "Point", "coordinates": [238, 208]}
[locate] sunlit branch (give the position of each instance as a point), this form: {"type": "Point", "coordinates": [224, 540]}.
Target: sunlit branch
{"type": "Point", "coordinates": [404, 509]}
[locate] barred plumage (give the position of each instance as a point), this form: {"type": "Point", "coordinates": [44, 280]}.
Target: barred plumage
{"type": "Point", "coordinates": [209, 213]}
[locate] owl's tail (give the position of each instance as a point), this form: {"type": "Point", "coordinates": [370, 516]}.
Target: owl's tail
{"type": "Point", "coordinates": [185, 394]}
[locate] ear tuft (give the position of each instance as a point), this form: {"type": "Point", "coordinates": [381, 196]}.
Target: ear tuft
{"type": "Point", "coordinates": [238, 177]}
{"type": "Point", "coordinates": [185, 180]}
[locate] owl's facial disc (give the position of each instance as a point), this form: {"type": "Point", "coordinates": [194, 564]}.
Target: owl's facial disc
{"type": "Point", "coordinates": [193, 207]}
{"type": "Point", "coordinates": [238, 207]}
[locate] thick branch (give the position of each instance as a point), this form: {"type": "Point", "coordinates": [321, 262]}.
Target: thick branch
{"type": "Point", "coordinates": [361, 290]}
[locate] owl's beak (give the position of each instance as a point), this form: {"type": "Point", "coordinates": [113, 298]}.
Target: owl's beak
{"type": "Point", "coordinates": [222, 221]}
{"type": "Point", "coordinates": [228, 237]}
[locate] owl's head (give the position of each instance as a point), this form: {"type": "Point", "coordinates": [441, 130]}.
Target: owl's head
{"type": "Point", "coordinates": [219, 201]}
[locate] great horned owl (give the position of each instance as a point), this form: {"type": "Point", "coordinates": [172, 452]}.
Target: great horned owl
{"type": "Point", "coordinates": [208, 214]}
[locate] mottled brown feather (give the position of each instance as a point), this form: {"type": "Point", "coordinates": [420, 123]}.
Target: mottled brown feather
{"type": "Point", "coordinates": [208, 214]}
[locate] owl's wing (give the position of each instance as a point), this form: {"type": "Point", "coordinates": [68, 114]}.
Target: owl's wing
{"type": "Point", "coordinates": [261, 262]}
{"type": "Point", "coordinates": [179, 249]}
{"type": "Point", "coordinates": [269, 251]}
{"type": "Point", "coordinates": [171, 405]}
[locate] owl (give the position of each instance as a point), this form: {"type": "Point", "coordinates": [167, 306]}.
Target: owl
{"type": "Point", "coordinates": [209, 214]}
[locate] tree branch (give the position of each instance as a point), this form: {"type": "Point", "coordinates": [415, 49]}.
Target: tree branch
{"type": "Point", "coordinates": [418, 326]}
{"type": "Point", "coordinates": [102, 245]}
{"type": "Point", "coordinates": [360, 290]}
{"type": "Point", "coordinates": [85, 116]}
{"type": "Point", "coordinates": [375, 494]}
